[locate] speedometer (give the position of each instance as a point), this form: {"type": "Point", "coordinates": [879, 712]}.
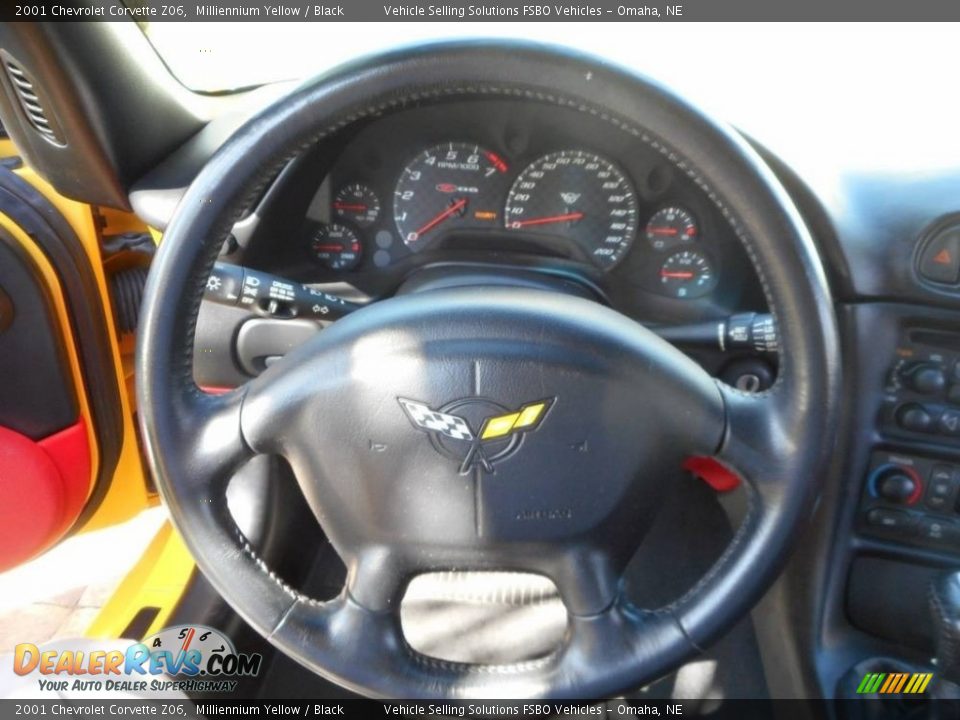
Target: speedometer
{"type": "Point", "coordinates": [454, 186]}
{"type": "Point", "coordinates": [579, 196]}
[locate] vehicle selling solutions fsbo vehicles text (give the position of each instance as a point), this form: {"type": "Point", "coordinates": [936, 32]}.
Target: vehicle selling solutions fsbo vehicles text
{"type": "Point", "coordinates": [462, 11]}
{"type": "Point", "coordinates": [534, 11]}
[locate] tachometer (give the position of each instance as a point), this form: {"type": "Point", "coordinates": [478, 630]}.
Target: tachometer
{"type": "Point", "coordinates": [580, 196]}
{"type": "Point", "coordinates": [452, 186]}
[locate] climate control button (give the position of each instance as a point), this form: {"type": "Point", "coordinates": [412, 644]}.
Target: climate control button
{"type": "Point", "coordinates": [892, 520]}
{"type": "Point", "coordinates": [896, 488]}
{"type": "Point", "coordinates": [896, 484]}
{"type": "Point", "coordinates": [940, 487]}
{"type": "Point", "coordinates": [938, 530]}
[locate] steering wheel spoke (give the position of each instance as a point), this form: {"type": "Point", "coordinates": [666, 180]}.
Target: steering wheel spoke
{"type": "Point", "coordinates": [754, 434]}
{"type": "Point", "coordinates": [218, 434]}
{"type": "Point", "coordinates": [280, 395]}
{"type": "Point", "coordinates": [376, 579]}
{"type": "Point", "coordinates": [589, 579]}
{"type": "Point", "coordinates": [620, 639]}
{"type": "Point", "coordinates": [208, 432]}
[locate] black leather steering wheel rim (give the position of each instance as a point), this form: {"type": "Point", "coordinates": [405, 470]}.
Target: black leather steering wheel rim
{"type": "Point", "coordinates": [777, 441]}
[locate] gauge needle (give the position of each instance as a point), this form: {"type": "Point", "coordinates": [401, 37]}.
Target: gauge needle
{"type": "Point", "coordinates": [662, 231]}
{"type": "Point", "coordinates": [677, 275]}
{"type": "Point", "coordinates": [349, 206]}
{"type": "Point", "coordinates": [545, 220]}
{"type": "Point", "coordinates": [458, 205]}
{"type": "Point", "coordinates": [328, 248]}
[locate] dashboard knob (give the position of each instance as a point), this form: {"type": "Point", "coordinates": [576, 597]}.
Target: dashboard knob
{"type": "Point", "coordinates": [897, 484]}
{"type": "Point", "coordinates": [896, 487]}
{"type": "Point", "coordinates": [925, 378]}
{"type": "Point", "coordinates": [914, 417]}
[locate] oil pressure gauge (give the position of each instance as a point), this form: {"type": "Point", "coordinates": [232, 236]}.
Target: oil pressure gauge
{"type": "Point", "coordinates": [357, 203]}
{"type": "Point", "coordinates": [687, 274]}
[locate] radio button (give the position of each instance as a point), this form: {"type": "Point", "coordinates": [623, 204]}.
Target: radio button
{"type": "Point", "coordinates": [915, 418]}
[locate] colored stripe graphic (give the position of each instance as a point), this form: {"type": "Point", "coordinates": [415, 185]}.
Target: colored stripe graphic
{"type": "Point", "coordinates": [894, 683]}
{"type": "Point", "coordinates": [891, 681]}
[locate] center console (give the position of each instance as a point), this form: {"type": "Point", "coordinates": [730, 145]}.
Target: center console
{"type": "Point", "coordinates": [911, 496]}
{"type": "Point", "coordinates": [892, 528]}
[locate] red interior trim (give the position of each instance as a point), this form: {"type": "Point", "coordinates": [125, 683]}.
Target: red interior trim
{"type": "Point", "coordinates": [712, 473]}
{"type": "Point", "coordinates": [70, 451]}
{"type": "Point", "coordinates": [43, 487]}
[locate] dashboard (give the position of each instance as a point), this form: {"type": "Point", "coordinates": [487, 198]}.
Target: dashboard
{"type": "Point", "coordinates": [508, 183]}
{"type": "Point", "coordinates": [366, 210]}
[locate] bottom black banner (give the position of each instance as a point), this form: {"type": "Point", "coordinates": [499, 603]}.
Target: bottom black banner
{"type": "Point", "coordinates": [867, 709]}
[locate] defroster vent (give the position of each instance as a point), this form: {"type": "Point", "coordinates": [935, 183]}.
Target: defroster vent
{"type": "Point", "coordinates": [30, 101]}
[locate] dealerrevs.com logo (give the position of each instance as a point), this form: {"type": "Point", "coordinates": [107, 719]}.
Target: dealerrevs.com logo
{"type": "Point", "coordinates": [190, 658]}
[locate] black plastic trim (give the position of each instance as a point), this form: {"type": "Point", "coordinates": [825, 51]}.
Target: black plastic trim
{"type": "Point", "coordinates": [37, 396]}
{"type": "Point", "coordinates": [94, 82]}
{"type": "Point", "coordinates": [38, 217]}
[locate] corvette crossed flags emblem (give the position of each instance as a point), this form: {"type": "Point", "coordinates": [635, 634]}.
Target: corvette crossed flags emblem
{"type": "Point", "coordinates": [506, 427]}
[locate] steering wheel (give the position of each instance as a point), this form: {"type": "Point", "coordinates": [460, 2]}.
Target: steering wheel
{"type": "Point", "coordinates": [570, 413]}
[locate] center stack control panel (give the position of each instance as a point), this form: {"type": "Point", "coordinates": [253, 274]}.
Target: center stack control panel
{"type": "Point", "coordinates": [910, 495]}
{"type": "Point", "coordinates": [923, 395]}
{"type": "Point", "coordinates": [912, 499]}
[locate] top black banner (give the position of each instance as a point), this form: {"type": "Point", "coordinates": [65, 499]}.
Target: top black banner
{"type": "Point", "coordinates": [320, 11]}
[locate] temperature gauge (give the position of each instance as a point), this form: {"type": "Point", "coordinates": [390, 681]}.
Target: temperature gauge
{"type": "Point", "coordinates": [336, 246]}
{"type": "Point", "coordinates": [671, 226]}
{"type": "Point", "coordinates": [687, 274]}
{"type": "Point", "coordinates": [357, 203]}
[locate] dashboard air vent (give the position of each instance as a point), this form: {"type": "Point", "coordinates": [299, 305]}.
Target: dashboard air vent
{"type": "Point", "coordinates": [30, 102]}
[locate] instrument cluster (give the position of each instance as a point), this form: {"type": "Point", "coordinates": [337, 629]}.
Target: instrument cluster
{"type": "Point", "coordinates": [512, 183]}
{"type": "Point", "coordinates": [575, 199]}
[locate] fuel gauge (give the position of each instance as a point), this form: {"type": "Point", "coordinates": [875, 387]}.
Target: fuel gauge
{"type": "Point", "coordinates": [687, 274]}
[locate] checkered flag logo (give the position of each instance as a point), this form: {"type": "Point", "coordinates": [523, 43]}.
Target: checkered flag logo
{"type": "Point", "coordinates": [429, 420]}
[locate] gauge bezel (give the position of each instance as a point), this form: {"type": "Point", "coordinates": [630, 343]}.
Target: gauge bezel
{"type": "Point", "coordinates": [372, 212]}
{"type": "Point", "coordinates": [695, 290]}
{"type": "Point", "coordinates": [669, 244]}
{"type": "Point", "coordinates": [357, 242]}
{"type": "Point", "coordinates": [562, 222]}
{"type": "Point", "coordinates": [473, 203]}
